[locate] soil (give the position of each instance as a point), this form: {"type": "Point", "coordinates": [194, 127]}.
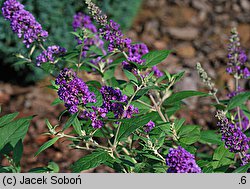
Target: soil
{"type": "Point", "coordinates": [197, 31]}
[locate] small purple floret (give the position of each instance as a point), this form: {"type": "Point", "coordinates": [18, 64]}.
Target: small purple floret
{"type": "Point", "coordinates": [49, 54]}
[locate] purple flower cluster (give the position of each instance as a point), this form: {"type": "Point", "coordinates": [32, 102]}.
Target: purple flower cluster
{"type": "Point", "coordinates": [235, 140]}
{"type": "Point", "coordinates": [149, 126]}
{"type": "Point", "coordinates": [237, 57]}
{"type": "Point", "coordinates": [82, 21]}
{"type": "Point", "coordinates": [112, 33]}
{"type": "Point", "coordinates": [73, 91]}
{"type": "Point", "coordinates": [113, 101]}
{"type": "Point", "coordinates": [23, 22]}
{"type": "Point", "coordinates": [49, 54]}
{"type": "Point", "coordinates": [181, 161]}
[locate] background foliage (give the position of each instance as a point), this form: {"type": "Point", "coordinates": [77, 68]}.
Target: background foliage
{"type": "Point", "coordinates": [50, 14]}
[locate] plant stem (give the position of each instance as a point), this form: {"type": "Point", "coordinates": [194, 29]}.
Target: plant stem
{"type": "Point", "coordinates": [119, 125]}
{"type": "Point", "coordinates": [238, 108]}
{"type": "Point", "coordinates": [158, 109]}
{"type": "Point", "coordinates": [86, 142]}
{"type": "Point", "coordinates": [145, 104]}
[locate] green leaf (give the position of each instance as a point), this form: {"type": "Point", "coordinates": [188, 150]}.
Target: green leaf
{"type": "Point", "coordinates": [47, 145]}
{"type": "Point", "coordinates": [128, 90]}
{"type": "Point", "coordinates": [178, 124]}
{"type": "Point", "coordinates": [56, 102]}
{"type": "Point", "coordinates": [94, 83]}
{"type": "Point", "coordinates": [77, 126]}
{"type": "Point", "coordinates": [96, 50]}
{"type": "Point", "coordinates": [222, 157]}
{"type": "Point", "coordinates": [7, 118]}
{"type": "Point", "coordinates": [155, 57]}
{"type": "Point", "coordinates": [53, 167]}
{"type": "Point", "coordinates": [48, 67]}
{"type": "Point", "coordinates": [238, 100]}
{"type": "Point", "coordinates": [18, 152]}
{"type": "Point", "coordinates": [178, 96]}
{"type": "Point", "coordinates": [98, 96]}
{"type": "Point", "coordinates": [210, 137]}
{"type": "Point", "coordinates": [242, 169]}
{"type": "Point", "coordinates": [130, 76]}
{"type": "Point", "coordinates": [92, 160]}
{"type": "Point", "coordinates": [12, 132]}
{"type": "Point", "coordinates": [70, 121]}
{"type": "Point", "coordinates": [39, 170]}
{"type": "Point", "coordinates": [128, 126]}
{"type": "Point", "coordinates": [151, 157]}
{"type": "Point", "coordinates": [189, 134]}
{"type": "Point", "coordinates": [109, 74]}
{"type": "Point", "coordinates": [177, 77]}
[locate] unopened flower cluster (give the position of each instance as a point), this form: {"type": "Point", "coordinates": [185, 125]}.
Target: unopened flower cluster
{"type": "Point", "coordinates": [237, 57]}
{"type": "Point", "coordinates": [49, 54]}
{"type": "Point", "coordinates": [73, 91]}
{"type": "Point", "coordinates": [181, 161]}
{"type": "Point", "coordinates": [23, 22]}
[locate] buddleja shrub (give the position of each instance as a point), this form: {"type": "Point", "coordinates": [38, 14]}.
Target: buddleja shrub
{"type": "Point", "coordinates": [128, 125]}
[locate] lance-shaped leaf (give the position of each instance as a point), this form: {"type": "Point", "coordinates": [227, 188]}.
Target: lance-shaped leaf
{"type": "Point", "coordinates": [92, 160]}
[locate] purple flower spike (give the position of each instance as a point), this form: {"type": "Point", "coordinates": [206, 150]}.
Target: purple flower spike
{"type": "Point", "coordinates": [237, 57]}
{"type": "Point", "coordinates": [73, 91]}
{"type": "Point", "coordinates": [181, 161]}
{"type": "Point", "coordinates": [235, 140]}
{"type": "Point", "coordinates": [23, 23]}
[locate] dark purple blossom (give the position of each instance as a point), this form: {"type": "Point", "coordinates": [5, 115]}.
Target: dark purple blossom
{"type": "Point", "coordinates": [49, 54]}
{"type": "Point", "coordinates": [235, 140]}
{"type": "Point", "coordinates": [73, 91]}
{"type": "Point", "coordinates": [135, 53]}
{"type": "Point", "coordinates": [92, 115]}
{"type": "Point", "coordinates": [113, 101]}
{"type": "Point", "coordinates": [23, 22]}
{"type": "Point", "coordinates": [237, 57]}
{"type": "Point", "coordinates": [149, 126]}
{"type": "Point", "coordinates": [181, 161]}
{"type": "Point", "coordinates": [157, 72]}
